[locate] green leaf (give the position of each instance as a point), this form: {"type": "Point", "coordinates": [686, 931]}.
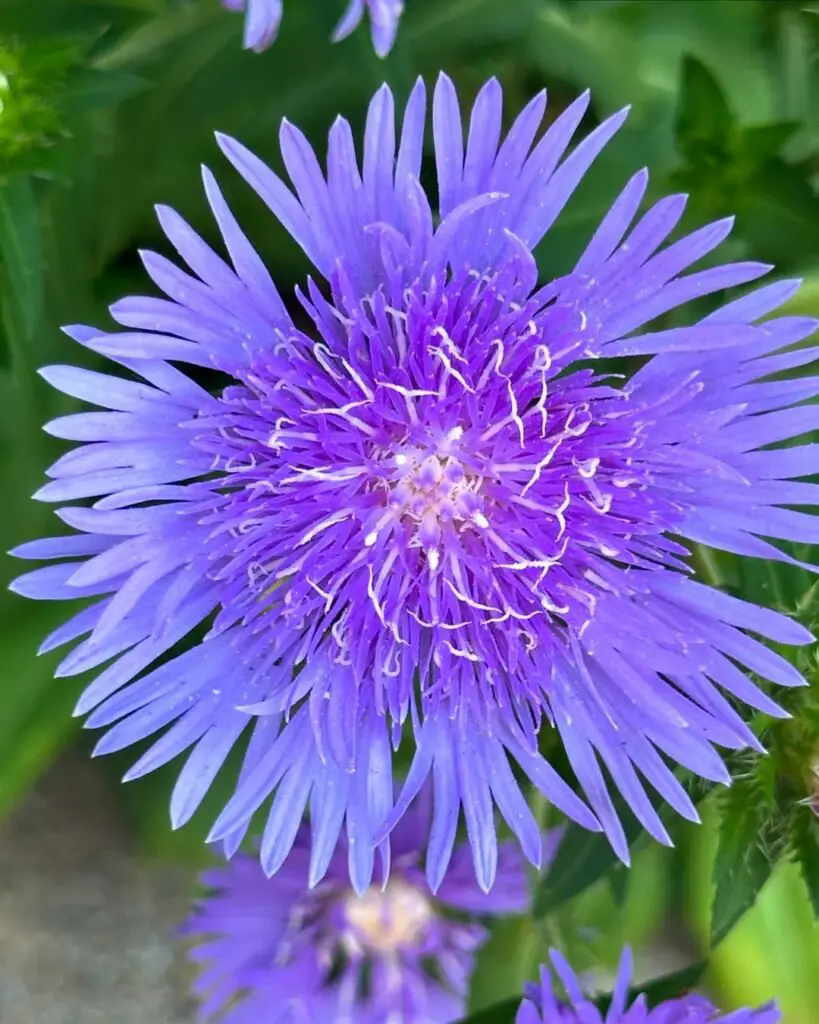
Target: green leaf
{"type": "Point", "coordinates": [780, 212]}
{"type": "Point", "coordinates": [703, 115]}
{"type": "Point", "coordinates": [775, 584]}
{"type": "Point", "coordinates": [752, 836]}
{"type": "Point", "coordinates": [590, 49]}
{"type": "Point", "coordinates": [582, 859]}
{"type": "Point", "coordinates": [35, 708]}
{"type": "Point", "coordinates": [152, 37]}
{"type": "Point", "coordinates": [97, 87]}
{"type": "Point", "coordinates": [21, 263]}
{"type": "Point", "coordinates": [757, 142]}
{"type": "Point", "coordinates": [501, 1013]}
{"type": "Point", "coordinates": [504, 963]}
{"type": "Point", "coordinates": [805, 840]}
{"type": "Point", "coordinates": [618, 879]}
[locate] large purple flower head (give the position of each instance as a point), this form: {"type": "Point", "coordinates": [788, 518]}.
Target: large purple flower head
{"type": "Point", "coordinates": [542, 1006]}
{"type": "Point", "coordinates": [420, 517]}
{"type": "Point", "coordinates": [278, 951]}
{"type": "Point", "coordinates": [263, 17]}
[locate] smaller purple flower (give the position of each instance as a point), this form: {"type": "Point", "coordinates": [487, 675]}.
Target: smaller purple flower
{"type": "Point", "coordinates": [278, 950]}
{"type": "Point", "coordinates": [384, 16]}
{"type": "Point", "coordinates": [542, 1006]}
{"type": "Point", "coordinates": [263, 18]}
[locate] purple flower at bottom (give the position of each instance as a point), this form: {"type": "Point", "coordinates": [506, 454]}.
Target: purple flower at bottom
{"type": "Point", "coordinates": [277, 950]}
{"type": "Point", "coordinates": [421, 510]}
{"type": "Point", "coordinates": [542, 1006]}
{"type": "Point", "coordinates": [263, 18]}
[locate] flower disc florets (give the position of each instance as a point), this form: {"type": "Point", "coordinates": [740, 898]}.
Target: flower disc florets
{"type": "Point", "coordinates": [423, 499]}
{"type": "Point", "coordinates": [422, 514]}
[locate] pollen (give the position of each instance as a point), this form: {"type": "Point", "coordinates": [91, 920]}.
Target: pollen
{"type": "Point", "coordinates": [384, 921]}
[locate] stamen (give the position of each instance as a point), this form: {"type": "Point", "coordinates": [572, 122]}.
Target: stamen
{"type": "Point", "coordinates": [550, 606]}
{"type": "Point", "coordinates": [358, 380]}
{"type": "Point", "coordinates": [513, 401]}
{"type": "Point", "coordinates": [510, 613]}
{"type": "Point", "coordinates": [379, 611]}
{"type": "Point", "coordinates": [320, 351]}
{"type": "Point", "coordinates": [407, 392]}
{"type": "Point", "coordinates": [325, 473]}
{"type": "Point", "coordinates": [328, 597]}
{"type": "Point", "coordinates": [491, 367]}
{"type": "Point", "coordinates": [344, 412]}
{"type": "Point", "coordinates": [451, 372]}
{"type": "Point", "coordinates": [459, 652]}
{"type": "Point", "coordinates": [325, 524]}
{"type": "Point", "coordinates": [544, 462]}
{"type": "Point", "coordinates": [468, 600]}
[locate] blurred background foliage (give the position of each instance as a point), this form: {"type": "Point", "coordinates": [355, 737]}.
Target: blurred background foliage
{"type": "Point", "coordinates": [108, 106]}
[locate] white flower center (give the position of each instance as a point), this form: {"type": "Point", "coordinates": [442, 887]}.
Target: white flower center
{"type": "Point", "coordinates": [385, 921]}
{"type": "Point", "coordinates": [431, 488]}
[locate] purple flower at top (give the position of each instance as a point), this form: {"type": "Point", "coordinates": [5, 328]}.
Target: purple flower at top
{"type": "Point", "coordinates": [263, 17]}
{"type": "Point", "coordinates": [542, 1006]}
{"type": "Point", "coordinates": [277, 951]}
{"type": "Point", "coordinates": [384, 17]}
{"type": "Point", "coordinates": [416, 514]}
{"type": "Point", "coordinates": [262, 21]}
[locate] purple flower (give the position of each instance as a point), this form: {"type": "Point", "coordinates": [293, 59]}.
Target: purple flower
{"type": "Point", "coordinates": [416, 515]}
{"type": "Point", "coordinates": [263, 18]}
{"type": "Point", "coordinates": [279, 951]}
{"type": "Point", "coordinates": [541, 1005]}
{"type": "Point", "coordinates": [384, 16]}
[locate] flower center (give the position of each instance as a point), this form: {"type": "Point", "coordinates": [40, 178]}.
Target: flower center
{"type": "Point", "coordinates": [430, 488]}
{"type": "Point", "coordinates": [383, 921]}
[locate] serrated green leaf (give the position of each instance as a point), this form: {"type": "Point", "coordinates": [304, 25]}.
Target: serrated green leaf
{"type": "Point", "coordinates": [752, 836]}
